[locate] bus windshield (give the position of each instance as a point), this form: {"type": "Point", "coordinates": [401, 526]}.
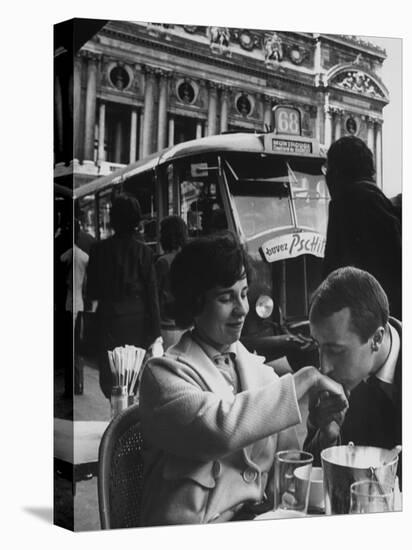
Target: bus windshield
{"type": "Point", "coordinates": [277, 193]}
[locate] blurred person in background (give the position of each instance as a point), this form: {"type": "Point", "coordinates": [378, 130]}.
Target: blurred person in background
{"type": "Point", "coordinates": [121, 285]}
{"type": "Point", "coordinates": [75, 261]}
{"type": "Point", "coordinates": [364, 228]}
{"type": "Point", "coordinates": [173, 236]}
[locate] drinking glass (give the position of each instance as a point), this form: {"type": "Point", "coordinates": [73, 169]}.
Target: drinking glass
{"type": "Point", "coordinates": [368, 496]}
{"type": "Point", "coordinates": [292, 492]}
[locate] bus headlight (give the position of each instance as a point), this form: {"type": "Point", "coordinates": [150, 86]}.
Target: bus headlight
{"type": "Point", "coordinates": [264, 306]}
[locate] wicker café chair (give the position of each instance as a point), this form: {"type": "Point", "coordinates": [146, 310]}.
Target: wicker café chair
{"type": "Point", "coordinates": [121, 471]}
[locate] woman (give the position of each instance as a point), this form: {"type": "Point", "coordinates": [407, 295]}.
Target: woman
{"type": "Point", "coordinates": [121, 284]}
{"type": "Point", "coordinates": [213, 415]}
{"type": "Point", "coordinates": [173, 236]}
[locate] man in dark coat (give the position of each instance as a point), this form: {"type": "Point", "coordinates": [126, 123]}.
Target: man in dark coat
{"type": "Point", "coordinates": [359, 347]}
{"type": "Point", "coordinates": [121, 287]}
{"type": "Point", "coordinates": [364, 228]}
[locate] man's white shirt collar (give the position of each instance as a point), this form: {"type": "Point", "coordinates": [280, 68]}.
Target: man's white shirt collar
{"type": "Point", "coordinates": [387, 371]}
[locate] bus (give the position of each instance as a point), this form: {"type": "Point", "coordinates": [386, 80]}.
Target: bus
{"type": "Point", "coordinates": [268, 188]}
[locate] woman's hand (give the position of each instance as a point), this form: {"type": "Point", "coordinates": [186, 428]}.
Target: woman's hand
{"type": "Point", "coordinates": [327, 413]}
{"type": "Point", "coordinates": [309, 379]}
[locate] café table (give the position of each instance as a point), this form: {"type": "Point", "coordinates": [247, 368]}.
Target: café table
{"type": "Point", "coordinates": [76, 448]}
{"type": "Point", "coordinates": [285, 514]}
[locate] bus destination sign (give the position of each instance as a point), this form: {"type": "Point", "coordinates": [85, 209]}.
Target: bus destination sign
{"type": "Point", "coordinates": [291, 146]}
{"type": "Point", "coordinates": [293, 245]}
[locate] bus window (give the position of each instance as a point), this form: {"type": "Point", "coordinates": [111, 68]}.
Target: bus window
{"type": "Point", "coordinates": [142, 187]}
{"type": "Point", "coordinates": [201, 205]}
{"type": "Point", "coordinates": [261, 206]}
{"type": "Point", "coordinates": [171, 191]}
{"type": "Point", "coordinates": [262, 188]}
{"type": "Point", "coordinates": [87, 214]}
{"type": "Point", "coordinates": [311, 198]}
{"type": "Point", "coordinates": [105, 201]}
{"type": "Point", "coordinates": [259, 187]}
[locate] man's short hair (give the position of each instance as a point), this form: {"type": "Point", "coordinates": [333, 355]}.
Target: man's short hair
{"type": "Point", "coordinates": [360, 292]}
{"type": "Point", "coordinates": [351, 158]}
{"type": "Point", "coordinates": [202, 264]}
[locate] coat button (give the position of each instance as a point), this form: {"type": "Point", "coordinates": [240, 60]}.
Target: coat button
{"type": "Point", "coordinates": [216, 469]}
{"type": "Point", "coordinates": [249, 475]}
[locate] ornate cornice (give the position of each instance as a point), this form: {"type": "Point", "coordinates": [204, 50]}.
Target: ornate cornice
{"type": "Point", "coordinates": [356, 43]}
{"type": "Point", "coordinates": [336, 111]}
{"type": "Point", "coordinates": [225, 90]}
{"type": "Point", "coordinates": [293, 46]}
{"type": "Point", "coordinates": [90, 56]}
{"type": "Point", "coordinates": [352, 39]}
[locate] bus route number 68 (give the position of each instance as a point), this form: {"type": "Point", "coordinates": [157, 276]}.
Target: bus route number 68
{"type": "Point", "coordinates": [287, 121]}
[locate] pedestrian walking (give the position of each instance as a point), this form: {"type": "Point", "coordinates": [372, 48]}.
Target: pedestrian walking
{"type": "Point", "coordinates": [364, 229]}
{"type": "Point", "coordinates": [121, 284]}
{"type": "Point", "coordinates": [75, 261]}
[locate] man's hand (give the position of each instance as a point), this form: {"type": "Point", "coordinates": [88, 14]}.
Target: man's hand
{"type": "Point", "coordinates": [327, 413]}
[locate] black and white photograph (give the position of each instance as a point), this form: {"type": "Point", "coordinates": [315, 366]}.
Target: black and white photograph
{"type": "Point", "coordinates": [227, 276]}
{"type": "Point", "coordinates": [225, 280]}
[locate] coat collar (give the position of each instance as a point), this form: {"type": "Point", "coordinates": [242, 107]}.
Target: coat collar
{"type": "Point", "coordinates": [188, 351]}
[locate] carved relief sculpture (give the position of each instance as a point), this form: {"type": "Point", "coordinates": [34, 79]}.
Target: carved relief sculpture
{"type": "Point", "coordinates": [273, 49]}
{"type": "Point", "coordinates": [358, 81]}
{"type": "Point", "coordinates": [219, 39]}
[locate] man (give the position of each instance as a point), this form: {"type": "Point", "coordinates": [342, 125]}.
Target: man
{"type": "Point", "coordinates": [359, 347]}
{"type": "Point", "coordinates": [364, 228]}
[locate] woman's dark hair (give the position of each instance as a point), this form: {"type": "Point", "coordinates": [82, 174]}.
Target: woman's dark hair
{"type": "Point", "coordinates": [351, 159]}
{"type": "Point", "coordinates": [173, 233]}
{"type": "Point", "coordinates": [360, 292]}
{"type": "Point", "coordinates": [125, 214]}
{"type": "Point", "coordinates": [204, 263]}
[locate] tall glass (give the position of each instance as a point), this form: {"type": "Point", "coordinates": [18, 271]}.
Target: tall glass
{"type": "Point", "coordinates": [367, 497]}
{"type": "Point", "coordinates": [292, 491]}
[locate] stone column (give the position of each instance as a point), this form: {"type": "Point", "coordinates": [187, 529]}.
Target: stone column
{"type": "Point", "coordinates": [223, 108]}
{"type": "Point", "coordinates": [320, 118]}
{"type": "Point", "coordinates": [211, 120]}
{"type": "Point", "coordinates": [198, 129]}
{"type": "Point", "coordinates": [58, 117]}
{"type": "Point", "coordinates": [370, 121]}
{"type": "Point", "coordinates": [267, 113]}
{"type": "Point", "coordinates": [118, 142]}
{"type": "Point", "coordinates": [76, 106]}
{"type": "Point", "coordinates": [148, 114]}
{"type": "Point", "coordinates": [162, 114]}
{"type": "Point", "coordinates": [328, 125]}
{"type": "Point", "coordinates": [338, 123]}
{"type": "Point", "coordinates": [133, 135]}
{"type": "Point", "coordinates": [378, 153]}
{"type": "Point", "coordinates": [90, 107]}
{"type": "Point", "coordinates": [102, 131]}
{"type": "Point", "coordinates": [171, 131]}
{"type": "Point", "coordinates": [141, 117]}
{"type": "Point", "coordinates": [318, 55]}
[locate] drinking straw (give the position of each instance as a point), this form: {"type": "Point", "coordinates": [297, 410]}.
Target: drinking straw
{"type": "Point", "coordinates": [112, 366]}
